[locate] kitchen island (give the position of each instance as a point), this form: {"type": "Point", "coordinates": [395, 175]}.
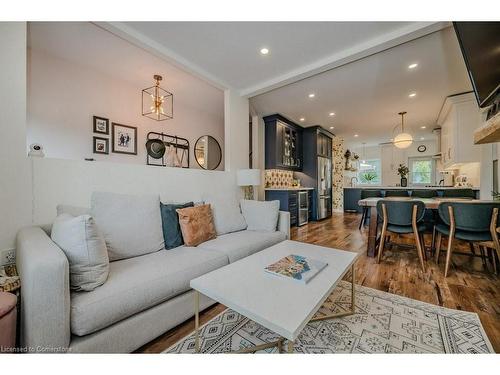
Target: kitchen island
{"type": "Point", "coordinates": [352, 195]}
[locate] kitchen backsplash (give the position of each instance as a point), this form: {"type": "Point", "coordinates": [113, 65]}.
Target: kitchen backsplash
{"type": "Point", "coordinates": [276, 178]}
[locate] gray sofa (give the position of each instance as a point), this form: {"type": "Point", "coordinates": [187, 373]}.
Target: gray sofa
{"type": "Point", "coordinates": [143, 297]}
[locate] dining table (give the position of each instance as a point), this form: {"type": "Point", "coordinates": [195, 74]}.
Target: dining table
{"type": "Point", "coordinates": [430, 204]}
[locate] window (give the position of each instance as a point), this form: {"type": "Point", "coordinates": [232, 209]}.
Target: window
{"type": "Point", "coordinates": [421, 171]}
{"type": "Point", "coordinates": [369, 172]}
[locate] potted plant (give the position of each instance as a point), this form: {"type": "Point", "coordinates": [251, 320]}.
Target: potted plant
{"type": "Point", "coordinates": [403, 171]}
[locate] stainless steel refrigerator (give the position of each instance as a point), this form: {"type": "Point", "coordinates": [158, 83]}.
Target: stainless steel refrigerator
{"type": "Point", "coordinates": [324, 188]}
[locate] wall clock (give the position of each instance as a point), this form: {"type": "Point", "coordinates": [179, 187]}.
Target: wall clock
{"type": "Point", "coordinates": [421, 148]}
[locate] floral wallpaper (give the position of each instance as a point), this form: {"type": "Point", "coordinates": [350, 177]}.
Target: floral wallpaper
{"type": "Point", "coordinates": [338, 173]}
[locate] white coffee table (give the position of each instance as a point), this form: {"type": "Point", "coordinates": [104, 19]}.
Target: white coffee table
{"type": "Point", "coordinates": [281, 305]}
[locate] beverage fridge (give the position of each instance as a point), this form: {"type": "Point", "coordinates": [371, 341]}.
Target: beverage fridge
{"type": "Point", "coordinates": [324, 188]}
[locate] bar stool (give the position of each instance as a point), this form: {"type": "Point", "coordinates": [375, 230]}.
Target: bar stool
{"type": "Point", "coordinates": [368, 194]}
{"type": "Point", "coordinates": [397, 193]}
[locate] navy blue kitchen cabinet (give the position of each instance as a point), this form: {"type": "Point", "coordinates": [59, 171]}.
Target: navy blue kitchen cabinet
{"type": "Point", "coordinates": [283, 139]}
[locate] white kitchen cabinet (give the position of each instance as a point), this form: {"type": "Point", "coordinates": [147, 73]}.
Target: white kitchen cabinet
{"type": "Point", "coordinates": [459, 117]}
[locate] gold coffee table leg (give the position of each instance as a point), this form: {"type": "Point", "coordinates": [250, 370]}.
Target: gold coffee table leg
{"type": "Point", "coordinates": [353, 302]}
{"type": "Point", "coordinates": [197, 321]}
{"type": "Point", "coordinates": [290, 346]}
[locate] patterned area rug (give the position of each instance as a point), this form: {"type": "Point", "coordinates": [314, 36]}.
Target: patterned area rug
{"type": "Point", "coordinates": [383, 323]}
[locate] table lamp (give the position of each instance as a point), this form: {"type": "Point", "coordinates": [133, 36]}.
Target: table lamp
{"type": "Point", "coordinates": [248, 178]}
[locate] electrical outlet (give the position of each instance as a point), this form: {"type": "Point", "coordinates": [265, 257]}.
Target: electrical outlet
{"type": "Point", "coordinates": [7, 257]}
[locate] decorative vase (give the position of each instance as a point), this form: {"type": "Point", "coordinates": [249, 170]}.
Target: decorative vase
{"type": "Point", "coordinates": [404, 182]}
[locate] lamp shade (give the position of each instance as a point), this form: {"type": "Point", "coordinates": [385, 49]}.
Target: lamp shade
{"type": "Point", "coordinates": [248, 177]}
{"type": "Point", "coordinates": [403, 140]}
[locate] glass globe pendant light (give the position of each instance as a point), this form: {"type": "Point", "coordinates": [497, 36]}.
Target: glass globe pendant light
{"type": "Point", "coordinates": [403, 140]}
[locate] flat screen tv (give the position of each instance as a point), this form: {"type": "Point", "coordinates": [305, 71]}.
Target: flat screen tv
{"type": "Point", "coordinates": [480, 45]}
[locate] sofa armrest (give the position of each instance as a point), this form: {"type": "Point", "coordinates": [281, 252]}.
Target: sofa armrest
{"type": "Point", "coordinates": [45, 295]}
{"type": "Point", "coordinates": [284, 223]}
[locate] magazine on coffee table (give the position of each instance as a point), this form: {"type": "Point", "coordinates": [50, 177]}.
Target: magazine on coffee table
{"type": "Point", "coordinates": [296, 267]}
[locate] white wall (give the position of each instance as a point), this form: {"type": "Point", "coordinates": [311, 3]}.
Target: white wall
{"type": "Point", "coordinates": [391, 157]}
{"type": "Point", "coordinates": [72, 182]}
{"type": "Point", "coordinates": [236, 117]}
{"type": "Point", "coordinates": [15, 178]}
{"type": "Point", "coordinates": [64, 95]}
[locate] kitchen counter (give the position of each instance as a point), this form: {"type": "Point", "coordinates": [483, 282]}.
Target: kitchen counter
{"type": "Point", "coordinates": [291, 188]}
{"type": "Point", "coordinates": [352, 195]}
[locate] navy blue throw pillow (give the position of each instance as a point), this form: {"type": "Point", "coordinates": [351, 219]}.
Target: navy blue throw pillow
{"type": "Point", "coordinates": [170, 222]}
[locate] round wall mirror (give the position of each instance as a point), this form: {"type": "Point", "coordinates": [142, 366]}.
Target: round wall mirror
{"type": "Point", "coordinates": [207, 152]}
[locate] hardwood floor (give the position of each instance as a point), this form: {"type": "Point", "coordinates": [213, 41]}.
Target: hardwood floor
{"type": "Point", "coordinates": [468, 286]}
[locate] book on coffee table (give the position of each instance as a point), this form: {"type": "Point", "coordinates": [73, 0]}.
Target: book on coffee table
{"type": "Point", "coordinates": [296, 267]}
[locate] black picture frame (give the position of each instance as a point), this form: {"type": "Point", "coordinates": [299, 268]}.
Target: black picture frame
{"type": "Point", "coordinates": [106, 147]}
{"type": "Point", "coordinates": [115, 128]}
{"type": "Point", "coordinates": [421, 148]}
{"type": "Point", "coordinates": [95, 128]}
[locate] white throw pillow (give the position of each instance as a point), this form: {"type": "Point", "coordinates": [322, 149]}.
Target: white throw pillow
{"type": "Point", "coordinates": [131, 224]}
{"type": "Point", "coordinates": [226, 212]}
{"type": "Point", "coordinates": [85, 249]}
{"type": "Point", "coordinates": [259, 215]}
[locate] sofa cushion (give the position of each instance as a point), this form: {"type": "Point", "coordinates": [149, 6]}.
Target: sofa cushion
{"type": "Point", "coordinates": [226, 212]}
{"type": "Point", "coordinates": [197, 224]}
{"type": "Point", "coordinates": [84, 246]}
{"type": "Point", "coordinates": [131, 224]}
{"type": "Point", "coordinates": [139, 283]}
{"type": "Point", "coordinates": [170, 221]}
{"type": "Point", "coordinates": [259, 215]}
{"type": "Point", "coordinates": [238, 245]}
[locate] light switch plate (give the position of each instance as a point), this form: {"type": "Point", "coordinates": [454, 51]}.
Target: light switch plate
{"type": "Point", "coordinates": [7, 257]}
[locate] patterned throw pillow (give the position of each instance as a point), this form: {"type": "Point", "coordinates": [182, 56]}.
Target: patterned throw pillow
{"type": "Point", "coordinates": [170, 221]}
{"type": "Point", "coordinates": [197, 224]}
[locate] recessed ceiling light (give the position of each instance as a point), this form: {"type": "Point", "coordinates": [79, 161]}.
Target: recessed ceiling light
{"type": "Point", "coordinates": [356, 135]}
{"type": "Point", "coordinates": [423, 127]}
{"type": "Point", "coordinates": [302, 119]}
{"type": "Point", "coordinates": [332, 127]}
{"type": "Point", "coordinates": [331, 114]}
{"type": "Point", "coordinates": [412, 66]}
{"type": "Point", "coordinates": [264, 51]}
{"type": "Point", "coordinates": [412, 95]}
{"type": "Point", "coordinates": [422, 138]}
{"type": "Point", "coordinates": [312, 95]}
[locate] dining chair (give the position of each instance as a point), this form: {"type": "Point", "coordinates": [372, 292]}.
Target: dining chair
{"type": "Point", "coordinates": [397, 193]}
{"type": "Point", "coordinates": [430, 217]}
{"type": "Point", "coordinates": [402, 217]}
{"type": "Point", "coordinates": [475, 222]}
{"type": "Point", "coordinates": [366, 209]}
{"type": "Point", "coordinates": [459, 193]}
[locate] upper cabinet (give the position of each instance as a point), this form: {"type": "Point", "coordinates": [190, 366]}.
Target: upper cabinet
{"type": "Point", "coordinates": [459, 117]}
{"type": "Point", "coordinates": [283, 143]}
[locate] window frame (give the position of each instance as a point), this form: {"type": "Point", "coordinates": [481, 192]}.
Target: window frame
{"type": "Point", "coordinates": [378, 171]}
{"type": "Point", "coordinates": [433, 170]}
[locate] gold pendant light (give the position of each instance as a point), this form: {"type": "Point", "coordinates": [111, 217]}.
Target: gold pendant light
{"type": "Point", "coordinates": [403, 140]}
{"type": "Point", "coordinates": [157, 103]}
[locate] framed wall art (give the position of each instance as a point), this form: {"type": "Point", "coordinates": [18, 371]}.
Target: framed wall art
{"type": "Point", "coordinates": [124, 139]}
{"type": "Point", "coordinates": [101, 125]}
{"type": "Point", "coordinates": [101, 145]}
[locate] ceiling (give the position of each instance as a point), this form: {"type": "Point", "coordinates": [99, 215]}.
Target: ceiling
{"type": "Point", "coordinates": [366, 95]}
{"type": "Point", "coordinates": [228, 53]}
{"type": "Point", "coordinates": [88, 45]}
